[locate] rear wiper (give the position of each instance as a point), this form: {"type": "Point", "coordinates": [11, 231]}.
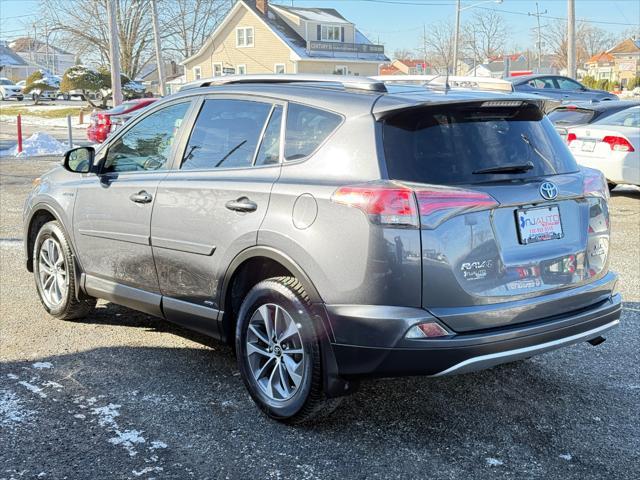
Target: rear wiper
{"type": "Point", "coordinates": [517, 168]}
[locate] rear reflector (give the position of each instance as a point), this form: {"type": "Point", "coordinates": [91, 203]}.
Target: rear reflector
{"type": "Point", "coordinates": [618, 144]}
{"type": "Point", "coordinates": [427, 330]}
{"type": "Point", "coordinates": [387, 203]}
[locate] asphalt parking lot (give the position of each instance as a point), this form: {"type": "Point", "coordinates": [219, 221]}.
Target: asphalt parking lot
{"type": "Point", "coordinates": [124, 395]}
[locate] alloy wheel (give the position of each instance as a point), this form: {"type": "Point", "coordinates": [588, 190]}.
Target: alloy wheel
{"type": "Point", "coordinates": [275, 352]}
{"type": "Point", "coordinates": [52, 273]}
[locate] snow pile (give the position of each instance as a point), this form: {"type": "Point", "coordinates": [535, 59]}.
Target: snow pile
{"type": "Point", "coordinates": [38, 144]}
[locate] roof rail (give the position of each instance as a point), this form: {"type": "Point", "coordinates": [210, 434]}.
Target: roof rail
{"type": "Point", "coordinates": [449, 81]}
{"type": "Point", "coordinates": [350, 82]}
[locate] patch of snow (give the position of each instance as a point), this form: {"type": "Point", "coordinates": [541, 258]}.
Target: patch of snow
{"type": "Point", "coordinates": [107, 415]}
{"type": "Point", "coordinates": [79, 416]}
{"type": "Point", "coordinates": [41, 365]}
{"type": "Point", "coordinates": [11, 412]}
{"type": "Point", "coordinates": [42, 474]}
{"type": "Point", "coordinates": [33, 389]}
{"type": "Point", "coordinates": [146, 470]}
{"type": "Point", "coordinates": [38, 144]}
{"type": "Point", "coordinates": [52, 384]}
{"type": "Point", "coordinates": [91, 400]}
{"type": "Point", "coordinates": [565, 456]}
{"type": "Point", "coordinates": [493, 462]}
{"type": "Point", "coordinates": [12, 376]}
{"type": "Point", "coordinates": [157, 444]}
{"type": "Point", "coordinates": [128, 439]}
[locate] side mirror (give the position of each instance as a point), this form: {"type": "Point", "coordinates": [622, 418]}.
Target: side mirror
{"type": "Point", "coordinates": [79, 160]}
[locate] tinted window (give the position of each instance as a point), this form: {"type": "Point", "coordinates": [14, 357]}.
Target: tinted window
{"type": "Point", "coordinates": [626, 118]}
{"type": "Point", "coordinates": [544, 82]}
{"type": "Point", "coordinates": [446, 145]}
{"type": "Point", "coordinates": [269, 152]}
{"type": "Point", "coordinates": [307, 128]}
{"type": "Point", "coordinates": [568, 84]}
{"type": "Point", "coordinates": [563, 116]}
{"type": "Point", "coordinates": [226, 134]}
{"type": "Point", "coordinates": [147, 144]}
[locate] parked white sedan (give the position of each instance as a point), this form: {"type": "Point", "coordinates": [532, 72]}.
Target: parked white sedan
{"type": "Point", "coordinates": [612, 145]}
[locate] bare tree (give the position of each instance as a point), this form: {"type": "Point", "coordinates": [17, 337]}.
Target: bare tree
{"type": "Point", "coordinates": [186, 24]}
{"type": "Point", "coordinates": [595, 40]}
{"type": "Point", "coordinates": [486, 34]}
{"type": "Point", "coordinates": [83, 29]}
{"type": "Point", "coordinates": [403, 54]}
{"type": "Point", "coordinates": [436, 44]}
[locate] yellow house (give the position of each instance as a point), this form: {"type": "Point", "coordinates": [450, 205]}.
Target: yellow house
{"type": "Point", "coordinates": [256, 37]}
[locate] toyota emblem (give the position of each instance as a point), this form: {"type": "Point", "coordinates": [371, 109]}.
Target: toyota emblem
{"type": "Point", "coordinates": [548, 191]}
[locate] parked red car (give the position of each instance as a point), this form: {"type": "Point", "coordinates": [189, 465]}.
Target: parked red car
{"type": "Point", "coordinates": [103, 123]}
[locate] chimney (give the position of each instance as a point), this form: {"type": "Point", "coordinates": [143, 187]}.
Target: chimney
{"type": "Point", "coordinates": [263, 6]}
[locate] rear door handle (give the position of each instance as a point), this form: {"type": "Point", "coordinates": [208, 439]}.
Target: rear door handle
{"type": "Point", "coordinates": [242, 204]}
{"type": "Point", "coordinates": [141, 197]}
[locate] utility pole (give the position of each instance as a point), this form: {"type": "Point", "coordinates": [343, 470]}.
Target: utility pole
{"type": "Point", "coordinates": [455, 39]}
{"type": "Point", "coordinates": [538, 14]}
{"type": "Point", "coordinates": [571, 39]}
{"type": "Point", "coordinates": [156, 37]}
{"type": "Point", "coordinates": [424, 46]}
{"type": "Point", "coordinates": [114, 53]}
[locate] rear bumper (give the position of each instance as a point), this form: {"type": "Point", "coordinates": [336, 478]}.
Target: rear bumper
{"type": "Point", "coordinates": [461, 353]}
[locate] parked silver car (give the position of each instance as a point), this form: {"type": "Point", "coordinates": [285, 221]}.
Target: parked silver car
{"type": "Point", "coordinates": [331, 228]}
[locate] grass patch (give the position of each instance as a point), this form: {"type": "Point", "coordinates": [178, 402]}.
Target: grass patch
{"type": "Point", "coordinates": [41, 111]}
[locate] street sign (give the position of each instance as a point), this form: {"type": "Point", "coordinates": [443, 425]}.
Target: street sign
{"type": "Point", "coordinates": [228, 70]}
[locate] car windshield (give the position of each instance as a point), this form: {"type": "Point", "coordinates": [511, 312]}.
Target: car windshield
{"type": "Point", "coordinates": [5, 81]}
{"type": "Point", "coordinates": [626, 118]}
{"type": "Point", "coordinates": [472, 143]}
{"type": "Point", "coordinates": [570, 116]}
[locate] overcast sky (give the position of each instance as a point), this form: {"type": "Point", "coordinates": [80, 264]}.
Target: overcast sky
{"type": "Point", "coordinates": [399, 23]}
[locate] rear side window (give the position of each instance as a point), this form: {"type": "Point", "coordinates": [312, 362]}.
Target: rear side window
{"type": "Point", "coordinates": [451, 145]}
{"type": "Point", "coordinates": [564, 116]}
{"type": "Point", "coordinates": [226, 134]}
{"type": "Point", "coordinates": [306, 129]}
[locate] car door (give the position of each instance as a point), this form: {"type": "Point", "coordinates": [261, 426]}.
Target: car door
{"type": "Point", "coordinates": [112, 213]}
{"type": "Point", "coordinates": [569, 89]}
{"type": "Point", "coordinates": [211, 207]}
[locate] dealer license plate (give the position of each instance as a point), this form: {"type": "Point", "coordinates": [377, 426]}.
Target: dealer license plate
{"type": "Point", "coordinates": [539, 224]}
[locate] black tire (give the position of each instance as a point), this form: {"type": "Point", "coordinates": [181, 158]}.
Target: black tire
{"type": "Point", "coordinates": [70, 307]}
{"type": "Point", "coordinates": [611, 185]}
{"type": "Point", "coordinates": [309, 400]}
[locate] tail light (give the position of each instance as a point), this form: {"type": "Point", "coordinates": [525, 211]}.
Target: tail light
{"type": "Point", "coordinates": [103, 119]}
{"type": "Point", "coordinates": [571, 137]}
{"type": "Point", "coordinates": [437, 205]}
{"type": "Point", "coordinates": [390, 204]}
{"type": "Point", "coordinates": [594, 183]}
{"type": "Point", "coordinates": [384, 204]}
{"type": "Point", "coordinates": [618, 144]}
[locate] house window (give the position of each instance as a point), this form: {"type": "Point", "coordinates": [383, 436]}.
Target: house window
{"type": "Point", "coordinates": [330, 33]}
{"type": "Point", "coordinates": [197, 73]}
{"type": "Point", "coordinates": [217, 69]}
{"type": "Point", "coordinates": [244, 37]}
{"type": "Point", "coordinates": [241, 70]}
{"type": "Point", "coordinates": [341, 70]}
{"type": "Point", "coordinates": [279, 68]}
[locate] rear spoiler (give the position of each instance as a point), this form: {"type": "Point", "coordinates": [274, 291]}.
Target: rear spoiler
{"type": "Point", "coordinates": [382, 111]}
{"type": "Point", "coordinates": [449, 81]}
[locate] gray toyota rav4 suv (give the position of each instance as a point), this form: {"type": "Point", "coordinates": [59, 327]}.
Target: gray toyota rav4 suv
{"type": "Point", "coordinates": [331, 228]}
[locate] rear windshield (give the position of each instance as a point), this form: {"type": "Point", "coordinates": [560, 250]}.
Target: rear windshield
{"type": "Point", "coordinates": [625, 118]}
{"type": "Point", "coordinates": [122, 108]}
{"type": "Point", "coordinates": [563, 116]}
{"type": "Point", "coordinates": [453, 144]}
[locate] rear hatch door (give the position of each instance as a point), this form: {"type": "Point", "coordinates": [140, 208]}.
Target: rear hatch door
{"type": "Point", "coordinates": [509, 223]}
